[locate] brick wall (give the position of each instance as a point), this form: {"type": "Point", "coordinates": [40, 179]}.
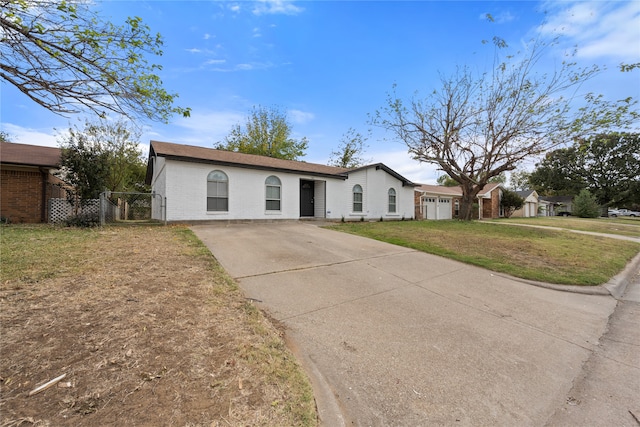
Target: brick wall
{"type": "Point", "coordinates": [21, 198]}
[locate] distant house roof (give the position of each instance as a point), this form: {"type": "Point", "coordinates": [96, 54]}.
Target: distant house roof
{"type": "Point", "coordinates": [29, 155]}
{"type": "Point", "coordinates": [190, 153]}
{"type": "Point", "coordinates": [557, 199]}
{"type": "Point", "coordinates": [440, 190]}
{"type": "Point", "coordinates": [455, 191]}
{"type": "Point", "coordinates": [524, 193]}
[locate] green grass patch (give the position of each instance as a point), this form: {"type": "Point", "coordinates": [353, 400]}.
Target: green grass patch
{"type": "Point", "coordinates": [544, 255]}
{"type": "Point", "coordinates": [31, 253]}
{"type": "Point", "coordinates": [623, 226]}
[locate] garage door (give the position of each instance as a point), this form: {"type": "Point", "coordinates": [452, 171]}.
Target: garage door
{"type": "Point", "coordinates": [444, 208]}
{"type": "Point", "coordinates": [429, 207]}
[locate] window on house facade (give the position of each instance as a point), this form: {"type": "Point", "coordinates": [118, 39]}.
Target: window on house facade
{"type": "Point", "coordinates": [456, 208]}
{"type": "Point", "coordinates": [392, 200]}
{"type": "Point", "coordinates": [217, 192]}
{"type": "Point", "coordinates": [357, 198]}
{"type": "Point", "coordinates": [273, 193]}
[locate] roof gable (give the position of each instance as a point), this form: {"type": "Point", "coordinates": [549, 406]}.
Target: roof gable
{"type": "Point", "coordinates": [29, 155]}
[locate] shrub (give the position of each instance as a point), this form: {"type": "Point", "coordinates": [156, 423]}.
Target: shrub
{"type": "Point", "coordinates": [585, 205]}
{"type": "Point", "coordinates": [83, 220]}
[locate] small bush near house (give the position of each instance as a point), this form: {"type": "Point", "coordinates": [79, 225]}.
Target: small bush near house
{"type": "Point", "coordinates": [585, 205]}
{"type": "Point", "coordinates": [83, 220]}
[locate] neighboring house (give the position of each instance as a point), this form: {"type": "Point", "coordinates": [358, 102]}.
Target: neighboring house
{"type": "Point", "coordinates": [204, 184]}
{"type": "Point", "coordinates": [558, 205]}
{"type": "Point", "coordinates": [439, 202]}
{"type": "Point", "coordinates": [27, 181]}
{"type": "Point", "coordinates": [530, 206]}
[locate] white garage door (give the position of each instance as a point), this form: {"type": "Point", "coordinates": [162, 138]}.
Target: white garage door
{"type": "Point", "coordinates": [429, 207]}
{"type": "Point", "coordinates": [444, 208]}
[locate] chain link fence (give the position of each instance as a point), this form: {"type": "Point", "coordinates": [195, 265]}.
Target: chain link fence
{"type": "Point", "coordinates": [131, 207]}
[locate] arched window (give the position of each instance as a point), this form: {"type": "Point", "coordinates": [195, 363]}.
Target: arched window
{"type": "Point", "coordinates": [273, 193]}
{"type": "Point", "coordinates": [357, 198]}
{"type": "Point", "coordinates": [392, 200]}
{"type": "Point", "coordinates": [217, 192]}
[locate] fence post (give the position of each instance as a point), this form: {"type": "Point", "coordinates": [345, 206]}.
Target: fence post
{"type": "Point", "coordinates": [101, 208]}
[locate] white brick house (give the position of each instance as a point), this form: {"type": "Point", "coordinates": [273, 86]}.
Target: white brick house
{"type": "Point", "coordinates": [203, 184]}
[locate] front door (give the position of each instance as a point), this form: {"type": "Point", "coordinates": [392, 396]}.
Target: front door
{"type": "Point", "coordinates": [306, 198]}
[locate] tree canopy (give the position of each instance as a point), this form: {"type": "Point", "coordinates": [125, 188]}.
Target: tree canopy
{"type": "Point", "coordinates": [510, 202]}
{"type": "Point", "coordinates": [608, 165]}
{"type": "Point", "coordinates": [266, 132]}
{"type": "Point", "coordinates": [102, 156]}
{"type": "Point", "coordinates": [477, 126]}
{"type": "Point", "coordinates": [67, 59]}
{"type": "Point", "coordinates": [350, 151]}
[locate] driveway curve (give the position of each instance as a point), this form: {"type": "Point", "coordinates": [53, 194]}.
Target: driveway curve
{"type": "Point", "coordinates": [393, 336]}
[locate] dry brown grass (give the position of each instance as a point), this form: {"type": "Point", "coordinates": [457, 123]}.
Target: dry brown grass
{"type": "Point", "coordinates": [148, 328]}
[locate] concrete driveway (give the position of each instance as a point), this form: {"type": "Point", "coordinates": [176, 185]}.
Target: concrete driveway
{"type": "Point", "coordinates": [392, 336]}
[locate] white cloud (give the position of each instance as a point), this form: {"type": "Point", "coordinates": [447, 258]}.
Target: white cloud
{"type": "Point", "coordinates": [300, 117]}
{"type": "Point", "coordinates": [22, 135]}
{"type": "Point", "coordinates": [206, 36]}
{"type": "Point", "coordinates": [599, 29]}
{"type": "Point", "coordinates": [204, 128]}
{"type": "Point", "coordinates": [215, 61]}
{"type": "Point", "coordinates": [401, 162]}
{"type": "Point", "coordinates": [272, 7]}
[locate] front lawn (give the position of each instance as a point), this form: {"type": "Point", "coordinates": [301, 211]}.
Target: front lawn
{"type": "Point", "coordinates": [537, 254]}
{"type": "Point", "coordinates": [624, 226]}
{"type": "Point", "coordinates": [147, 327]}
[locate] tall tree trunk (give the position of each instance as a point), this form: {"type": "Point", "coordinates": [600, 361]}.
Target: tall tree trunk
{"type": "Point", "coordinates": [469, 193]}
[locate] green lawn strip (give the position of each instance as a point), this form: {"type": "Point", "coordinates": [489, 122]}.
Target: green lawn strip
{"type": "Point", "coordinates": [619, 226]}
{"type": "Point", "coordinates": [31, 253]}
{"type": "Point", "coordinates": [531, 253]}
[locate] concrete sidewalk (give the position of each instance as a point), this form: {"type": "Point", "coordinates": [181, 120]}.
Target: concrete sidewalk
{"type": "Point", "coordinates": [392, 336]}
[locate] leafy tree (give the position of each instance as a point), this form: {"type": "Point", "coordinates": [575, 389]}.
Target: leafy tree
{"type": "Point", "coordinates": [606, 164]}
{"type": "Point", "coordinates": [350, 151]}
{"type": "Point", "coordinates": [610, 166]}
{"type": "Point", "coordinates": [510, 202]}
{"type": "Point", "coordinates": [66, 58]}
{"type": "Point", "coordinates": [267, 132]}
{"type": "Point", "coordinates": [585, 205]}
{"type": "Point", "coordinates": [520, 180]}
{"type": "Point", "coordinates": [102, 156]}
{"type": "Point", "coordinates": [5, 136]}
{"type": "Point", "coordinates": [475, 127]}
{"type": "Point", "coordinates": [447, 181]}
{"type": "Point", "coordinates": [557, 174]}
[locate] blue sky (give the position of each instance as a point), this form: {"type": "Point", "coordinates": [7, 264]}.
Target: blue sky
{"type": "Point", "coordinates": [330, 64]}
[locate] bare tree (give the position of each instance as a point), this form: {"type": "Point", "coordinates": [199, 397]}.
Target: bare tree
{"type": "Point", "coordinates": [476, 127]}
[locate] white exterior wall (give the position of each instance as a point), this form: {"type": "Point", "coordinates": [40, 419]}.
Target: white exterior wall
{"type": "Point", "coordinates": [184, 184]}
{"type": "Point", "coordinates": [158, 184]}
{"type": "Point", "coordinates": [375, 204]}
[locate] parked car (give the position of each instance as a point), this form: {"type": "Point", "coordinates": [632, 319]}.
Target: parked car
{"type": "Point", "coordinates": [622, 212]}
{"type": "Point", "coordinates": [627, 212]}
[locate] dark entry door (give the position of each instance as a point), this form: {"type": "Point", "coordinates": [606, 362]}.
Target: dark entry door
{"type": "Point", "coordinates": [306, 198]}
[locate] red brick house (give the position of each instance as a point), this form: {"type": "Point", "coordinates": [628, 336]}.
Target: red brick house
{"type": "Point", "coordinates": [27, 181]}
{"type": "Point", "coordinates": [440, 202]}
